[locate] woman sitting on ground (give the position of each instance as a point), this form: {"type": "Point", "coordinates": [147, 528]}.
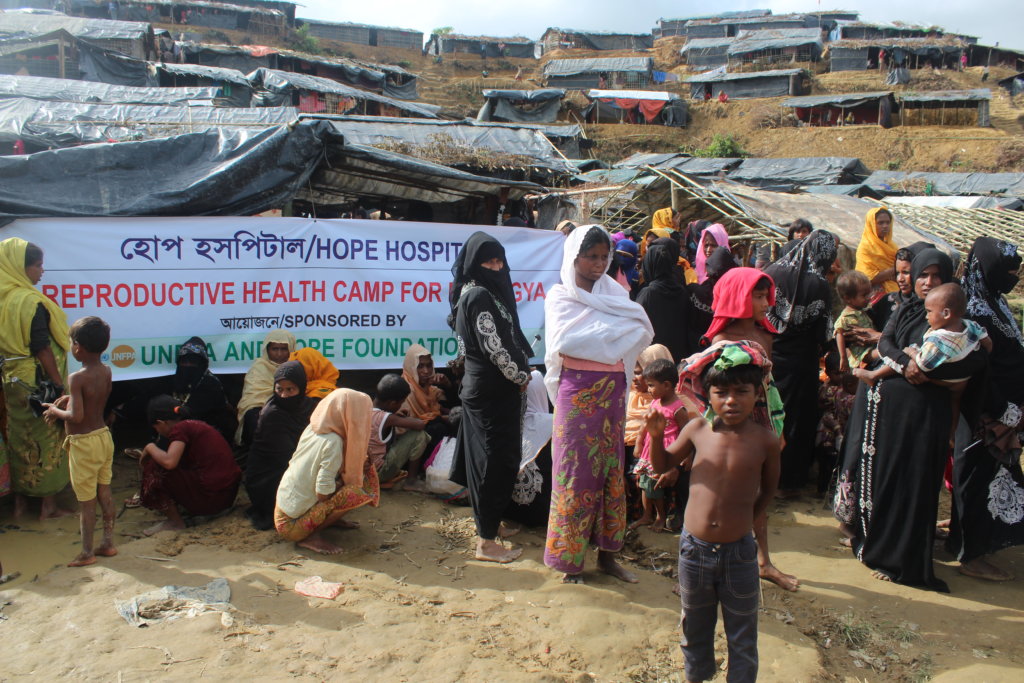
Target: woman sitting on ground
{"type": "Point", "coordinates": [277, 432]}
{"type": "Point", "coordinates": [329, 474]}
{"type": "Point", "coordinates": [197, 471]}
{"type": "Point", "coordinates": [259, 382]}
{"type": "Point", "coordinates": [321, 375]}
{"type": "Point", "coordinates": [424, 403]}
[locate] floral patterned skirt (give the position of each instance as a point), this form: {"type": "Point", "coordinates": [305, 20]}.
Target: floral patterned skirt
{"type": "Point", "coordinates": [344, 499]}
{"type": "Point", "coordinates": [588, 491]}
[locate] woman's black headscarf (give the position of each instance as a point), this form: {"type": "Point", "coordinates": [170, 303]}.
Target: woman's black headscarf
{"type": "Point", "coordinates": [188, 376]}
{"type": "Point", "coordinates": [659, 266]}
{"type": "Point", "coordinates": [293, 372]}
{"type": "Point", "coordinates": [990, 274]}
{"type": "Point", "coordinates": [478, 249]}
{"type": "Point", "coordinates": [802, 292]}
{"type": "Point", "coordinates": [911, 313]}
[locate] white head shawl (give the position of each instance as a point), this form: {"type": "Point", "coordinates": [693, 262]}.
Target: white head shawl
{"type": "Point", "coordinates": [602, 325]}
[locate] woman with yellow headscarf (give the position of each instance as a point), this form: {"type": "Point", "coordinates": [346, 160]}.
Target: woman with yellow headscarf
{"type": "Point", "coordinates": [321, 375]}
{"type": "Point", "coordinates": [876, 253]}
{"type": "Point", "coordinates": [259, 382]}
{"type": "Point", "coordinates": [33, 344]}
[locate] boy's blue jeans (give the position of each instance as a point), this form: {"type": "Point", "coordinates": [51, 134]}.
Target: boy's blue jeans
{"type": "Point", "coordinates": [711, 574]}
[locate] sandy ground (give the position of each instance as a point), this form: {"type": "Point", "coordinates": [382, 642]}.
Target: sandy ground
{"type": "Point", "coordinates": [417, 607]}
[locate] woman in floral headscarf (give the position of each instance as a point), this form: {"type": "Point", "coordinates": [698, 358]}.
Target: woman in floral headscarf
{"type": "Point", "coordinates": [988, 486]}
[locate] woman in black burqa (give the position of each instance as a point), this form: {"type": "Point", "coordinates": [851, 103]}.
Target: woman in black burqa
{"type": "Point", "coordinates": [897, 444]}
{"type": "Point", "coordinates": [802, 314]}
{"type": "Point", "coordinates": [988, 486]}
{"type": "Point", "coordinates": [701, 297]}
{"type": "Point", "coordinates": [278, 429]}
{"type": "Point", "coordinates": [663, 297]}
{"type": "Point", "coordinates": [486, 322]}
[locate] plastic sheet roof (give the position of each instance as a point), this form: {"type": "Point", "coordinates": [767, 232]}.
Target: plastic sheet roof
{"type": "Point", "coordinates": [713, 77]}
{"type": "Point", "coordinates": [695, 44]}
{"type": "Point", "coordinates": [283, 81]}
{"type": "Point", "coordinates": [63, 124]}
{"type": "Point", "coordinates": [29, 25]}
{"type": "Point", "coordinates": [775, 38]}
{"type": "Point", "coordinates": [800, 171]}
{"type": "Point", "coordinates": [571, 67]}
{"type": "Point", "coordinates": [1007, 184]}
{"type": "Point", "coordinates": [527, 141]}
{"type": "Point", "coordinates": [840, 99]}
{"type": "Point", "coordinates": [542, 95]}
{"type": "Point", "coordinates": [355, 25]}
{"type": "Point", "coordinates": [659, 96]}
{"type": "Point", "coordinates": [62, 89]}
{"type": "Point", "coordinates": [947, 96]}
{"type": "Point", "coordinates": [213, 72]}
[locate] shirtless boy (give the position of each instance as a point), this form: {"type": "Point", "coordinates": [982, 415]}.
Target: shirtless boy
{"type": "Point", "coordinates": [734, 465]}
{"type": "Point", "coordinates": [91, 451]}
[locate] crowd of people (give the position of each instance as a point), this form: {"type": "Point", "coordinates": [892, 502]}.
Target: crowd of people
{"type": "Point", "coordinates": [689, 388]}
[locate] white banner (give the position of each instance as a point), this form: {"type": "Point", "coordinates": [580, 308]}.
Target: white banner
{"type": "Point", "coordinates": [359, 291]}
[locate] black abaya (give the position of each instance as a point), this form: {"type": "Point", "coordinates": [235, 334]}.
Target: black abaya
{"type": "Point", "coordinates": [988, 485]}
{"type": "Point", "coordinates": [488, 447]}
{"type": "Point", "coordinates": [894, 453]}
{"type": "Point", "coordinates": [664, 299]}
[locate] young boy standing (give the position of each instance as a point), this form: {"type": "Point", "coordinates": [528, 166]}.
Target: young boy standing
{"type": "Point", "coordinates": [91, 448]}
{"type": "Point", "coordinates": [734, 472]}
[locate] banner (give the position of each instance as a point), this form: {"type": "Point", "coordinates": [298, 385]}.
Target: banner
{"type": "Point", "coordinates": [359, 291]}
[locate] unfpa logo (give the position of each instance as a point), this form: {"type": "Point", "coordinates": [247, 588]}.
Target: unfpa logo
{"type": "Point", "coordinates": [122, 356]}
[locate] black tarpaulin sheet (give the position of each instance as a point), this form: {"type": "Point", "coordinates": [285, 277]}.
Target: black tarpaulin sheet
{"type": "Point", "coordinates": [214, 173]}
{"type": "Point", "coordinates": [522, 106]}
{"type": "Point", "coordinates": [280, 85]}
{"type": "Point", "coordinates": [213, 73]}
{"type": "Point", "coordinates": [402, 91]}
{"type": "Point", "coordinates": [855, 99]}
{"type": "Point", "coordinates": [799, 171]}
{"type": "Point", "coordinates": [107, 66]}
{"type": "Point", "coordinates": [1009, 184]}
{"type": "Point", "coordinates": [64, 124]}
{"type": "Point", "coordinates": [67, 90]}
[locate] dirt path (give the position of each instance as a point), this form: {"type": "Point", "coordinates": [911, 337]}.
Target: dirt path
{"type": "Point", "coordinates": [417, 607]}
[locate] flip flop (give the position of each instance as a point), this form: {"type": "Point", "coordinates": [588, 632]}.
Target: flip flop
{"type": "Point", "coordinates": [133, 453]}
{"type": "Point", "coordinates": [985, 577]}
{"type": "Point", "coordinates": [133, 502]}
{"type": "Point", "coordinates": [390, 483]}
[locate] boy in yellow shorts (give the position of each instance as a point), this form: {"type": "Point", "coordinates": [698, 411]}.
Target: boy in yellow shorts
{"type": "Point", "coordinates": [91, 448]}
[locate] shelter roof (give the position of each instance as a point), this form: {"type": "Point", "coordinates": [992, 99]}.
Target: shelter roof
{"type": "Point", "coordinates": [62, 124]}
{"type": "Point", "coordinates": [961, 226]}
{"type": "Point", "coordinates": [518, 40]}
{"type": "Point", "coordinates": [839, 99]}
{"type": "Point", "coordinates": [598, 33]}
{"type": "Point", "coordinates": [542, 95]}
{"type": "Point", "coordinates": [799, 171]}
{"type": "Point", "coordinates": [209, 4]}
{"type": "Point", "coordinates": [775, 38]}
{"type": "Point", "coordinates": [507, 139]}
{"type": "Point", "coordinates": [946, 95]}
{"type": "Point", "coordinates": [724, 16]}
{"type": "Point", "coordinates": [355, 25]}
{"type": "Point", "coordinates": [713, 77]}
{"type": "Point", "coordinates": [67, 90]}
{"type": "Point", "coordinates": [707, 43]}
{"type": "Point", "coordinates": [214, 72]}
{"type": "Point", "coordinates": [571, 67]}
{"type": "Point", "coordinates": [1008, 184]}
{"type": "Point", "coordinates": [905, 43]}
{"type": "Point", "coordinates": [275, 80]}
{"type": "Point", "coordinates": [32, 25]}
{"type": "Point", "coordinates": [657, 95]}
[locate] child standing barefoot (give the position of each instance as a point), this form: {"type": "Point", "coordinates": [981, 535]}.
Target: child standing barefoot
{"type": "Point", "coordinates": [91, 451]}
{"type": "Point", "coordinates": [661, 377]}
{"type": "Point", "coordinates": [743, 297]}
{"type": "Point", "coordinates": [734, 471]}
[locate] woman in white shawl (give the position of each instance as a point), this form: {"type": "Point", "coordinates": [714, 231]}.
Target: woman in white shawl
{"type": "Point", "coordinates": [593, 335]}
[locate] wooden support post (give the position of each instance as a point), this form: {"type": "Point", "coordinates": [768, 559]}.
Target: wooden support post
{"type": "Point", "coordinates": [60, 56]}
{"type": "Point", "coordinates": [678, 198]}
